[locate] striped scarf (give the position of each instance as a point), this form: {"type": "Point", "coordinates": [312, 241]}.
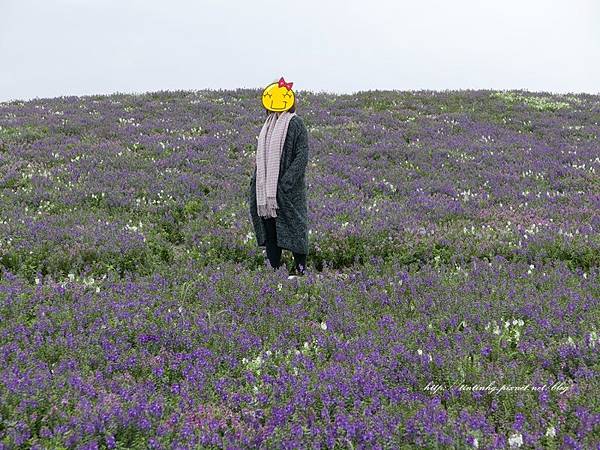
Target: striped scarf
{"type": "Point", "coordinates": [268, 154]}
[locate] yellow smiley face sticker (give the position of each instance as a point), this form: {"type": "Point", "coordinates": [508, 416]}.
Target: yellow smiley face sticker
{"type": "Point", "coordinates": [278, 96]}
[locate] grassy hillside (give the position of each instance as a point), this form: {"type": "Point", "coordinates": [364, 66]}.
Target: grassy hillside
{"type": "Point", "coordinates": [454, 242]}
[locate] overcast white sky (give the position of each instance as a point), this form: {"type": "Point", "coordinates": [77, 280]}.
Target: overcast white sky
{"type": "Point", "coordinates": [50, 48]}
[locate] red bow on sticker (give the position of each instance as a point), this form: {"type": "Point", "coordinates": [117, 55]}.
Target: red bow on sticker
{"type": "Point", "coordinates": [282, 83]}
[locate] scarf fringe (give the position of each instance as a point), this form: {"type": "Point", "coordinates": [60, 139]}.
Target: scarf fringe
{"type": "Point", "coordinates": [268, 210]}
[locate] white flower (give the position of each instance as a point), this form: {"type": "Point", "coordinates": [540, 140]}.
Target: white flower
{"type": "Point", "coordinates": [593, 339]}
{"type": "Point", "coordinates": [97, 289]}
{"type": "Point", "coordinates": [475, 443]}
{"type": "Point", "coordinates": [419, 351]}
{"type": "Point", "coordinates": [551, 431]}
{"type": "Point", "coordinates": [279, 286]}
{"type": "Point", "coordinates": [515, 440]}
{"type": "Point", "coordinates": [71, 276]}
{"type": "Point", "coordinates": [37, 281]}
{"type": "Point", "coordinates": [323, 325]}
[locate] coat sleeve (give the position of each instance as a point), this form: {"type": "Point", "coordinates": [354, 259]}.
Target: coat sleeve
{"type": "Point", "coordinates": [298, 165]}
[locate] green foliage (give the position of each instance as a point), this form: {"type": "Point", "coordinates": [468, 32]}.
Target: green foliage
{"type": "Point", "coordinates": [24, 134]}
{"type": "Point", "coordinates": [537, 103]}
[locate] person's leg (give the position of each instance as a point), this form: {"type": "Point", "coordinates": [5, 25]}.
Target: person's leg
{"type": "Point", "coordinates": [273, 251]}
{"type": "Point", "coordinates": [300, 260]}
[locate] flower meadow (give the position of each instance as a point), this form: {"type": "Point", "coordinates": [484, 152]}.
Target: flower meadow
{"type": "Point", "coordinates": [452, 298]}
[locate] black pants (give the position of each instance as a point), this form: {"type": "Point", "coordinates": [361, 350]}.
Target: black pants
{"type": "Point", "coordinates": [274, 252]}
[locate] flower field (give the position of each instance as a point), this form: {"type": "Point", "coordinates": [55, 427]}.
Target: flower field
{"type": "Point", "coordinates": [452, 297]}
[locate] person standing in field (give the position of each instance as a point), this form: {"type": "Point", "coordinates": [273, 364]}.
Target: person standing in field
{"type": "Point", "coordinates": [277, 197]}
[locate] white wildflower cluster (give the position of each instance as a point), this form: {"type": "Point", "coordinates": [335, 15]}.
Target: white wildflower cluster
{"type": "Point", "coordinates": [552, 194]}
{"type": "Point", "coordinates": [487, 138]}
{"type": "Point", "coordinates": [451, 121]}
{"type": "Point", "coordinates": [88, 282]}
{"type": "Point", "coordinates": [248, 237]}
{"type": "Point", "coordinates": [373, 207]}
{"type": "Point", "coordinates": [427, 355]}
{"type": "Point", "coordinates": [129, 227]}
{"type": "Point", "coordinates": [44, 206]}
{"type": "Point", "coordinates": [567, 233]}
{"type": "Point", "coordinates": [257, 364]}
{"type": "Point", "coordinates": [254, 364]}
{"type": "Point", "coordinates": [462, 157]}
{"type": "Point", "coordinates": [539, 103]}
{"type": "Point", "coordinates": [29, 171]}
{"type": "Point", "coordinates": [515, 440]}
{"type": "Point", "coordinates": [410, 165]}
{"type": "Point", "coordinates": [466, 195]}
{"type": "Point", "coordinates": [582, 167]}
{"type": "Point", "coordinates": [469, 231]}
{"type": "Point", "coordinates": [594, 339]}
{"type": "Point", "coordinates": [129, 121]}
{"type": "Point", "coordinates": [135, 146]}
{"type": "Point", "coordinates": [161, 200]}
{"type": "Point", "coordinates": [507, 329]}
{"type": "Point", "coordinates": [171, 130]}
{"type": "Point", "coordinates": [79, 157]}
{"type": "Point", "coordinates": [390, 185]}
{"type": "Point", "coordinates": [227, 133]}
{"type": "Point", "coordinates": [531, 174]}
{"type": "Point", "coordinates": [459, 270]}
{"type": "Point", "coordinates": [592, 336]}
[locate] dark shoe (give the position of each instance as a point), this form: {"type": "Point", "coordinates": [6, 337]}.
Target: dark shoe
{"type": "Point", "coordinates": [295, 273]}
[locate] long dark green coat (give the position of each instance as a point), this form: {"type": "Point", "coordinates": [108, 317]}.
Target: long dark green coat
{"type": "Point", "coordinates": [292, 215]}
